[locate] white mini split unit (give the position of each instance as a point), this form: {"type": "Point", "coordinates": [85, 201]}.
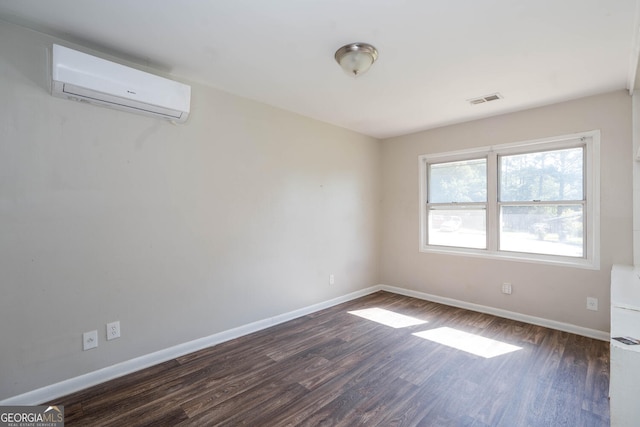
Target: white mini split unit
{"type": "Point", "coordinates": [81, 77]}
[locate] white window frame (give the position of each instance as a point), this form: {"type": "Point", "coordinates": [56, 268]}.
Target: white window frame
{"type": "Point", "coordinates": [590, 140]}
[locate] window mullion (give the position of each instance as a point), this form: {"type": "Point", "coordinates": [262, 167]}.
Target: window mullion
{"type": "Point", "coordinates": [493, 213]}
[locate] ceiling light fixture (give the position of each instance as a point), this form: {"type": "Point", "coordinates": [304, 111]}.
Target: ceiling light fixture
{"type": "Point", "coordinates": [356, 58]}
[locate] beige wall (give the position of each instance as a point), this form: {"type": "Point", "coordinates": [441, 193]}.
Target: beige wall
{"type": "Point", "coordinates": [550, 292]}
{"type": "Point", "coordinates": [179, 232]}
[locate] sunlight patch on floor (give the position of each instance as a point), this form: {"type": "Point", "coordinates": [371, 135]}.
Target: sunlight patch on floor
{"type": "Point", "coordinates": [474, 344]}
{"type": "Point", "coordinates": [387, 317]}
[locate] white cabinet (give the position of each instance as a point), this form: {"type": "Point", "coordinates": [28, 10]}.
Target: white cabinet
{"type": "Point", "coordinates": [624, 382]}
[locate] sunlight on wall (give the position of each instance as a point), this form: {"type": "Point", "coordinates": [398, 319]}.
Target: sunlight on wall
{"type": "Point", "coordinates": [474, 344]}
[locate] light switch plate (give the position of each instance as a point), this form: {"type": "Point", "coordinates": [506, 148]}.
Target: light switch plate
{"type": "Point", "coordinates": [89, 340]}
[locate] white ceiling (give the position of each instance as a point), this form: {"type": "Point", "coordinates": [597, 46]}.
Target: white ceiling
{"type": "Point", "coordinates": [434, 55]}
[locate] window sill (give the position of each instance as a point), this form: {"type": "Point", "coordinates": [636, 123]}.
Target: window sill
{"type": "Point", "coordinates": [583, 263]}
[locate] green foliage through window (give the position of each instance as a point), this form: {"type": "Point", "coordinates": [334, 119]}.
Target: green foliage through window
{"type": "Point", "coordinates": [459, 182]}
{"type": "Point", "coordinates": [545, 176]}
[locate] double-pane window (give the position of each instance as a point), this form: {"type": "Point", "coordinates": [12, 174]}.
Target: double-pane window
{"type": "Point", "coordinates": [458, 203]}
{"type": "Point", "coordinates": [542, 202]}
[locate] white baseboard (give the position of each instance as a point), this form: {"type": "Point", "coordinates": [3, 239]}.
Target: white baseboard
{"type": "Point", "coordinates": [552, 324]}
{"type": "Point", "coordinates": [63, 388]}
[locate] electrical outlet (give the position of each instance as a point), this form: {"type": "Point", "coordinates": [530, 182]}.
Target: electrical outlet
{"type": "Point", "coordinates": [592, 303]}
{"type": "Point", "coordinates": [89, 340]}
{"type": "Point", "coordinates": [113, 330]}
{"type": "Point", "coordinates": [332, 279]}
{"type": "Point", "coordinates": [506, 288]}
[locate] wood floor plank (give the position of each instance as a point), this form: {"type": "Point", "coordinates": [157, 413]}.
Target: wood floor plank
{"type": "Point", "coordinates": [334, 368]}
{"type": "Point", "coordinates": [381, 401]}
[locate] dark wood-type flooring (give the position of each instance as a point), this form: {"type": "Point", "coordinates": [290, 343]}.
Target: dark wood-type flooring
{"type": "Point", "coordinates": [332, 368]}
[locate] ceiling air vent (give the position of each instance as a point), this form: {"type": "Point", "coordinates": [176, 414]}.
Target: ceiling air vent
{"type": "Point", "coordinates": [486, 98]}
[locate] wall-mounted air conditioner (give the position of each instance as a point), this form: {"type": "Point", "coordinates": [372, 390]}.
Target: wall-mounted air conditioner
{"type": "Point", "coordinates": [81, 77]}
